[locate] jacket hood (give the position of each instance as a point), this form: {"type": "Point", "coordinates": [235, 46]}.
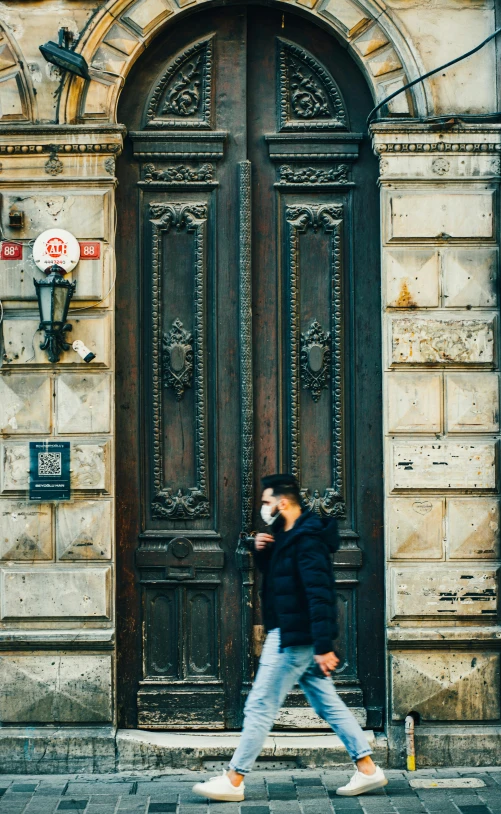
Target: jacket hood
{"type": "Point", "coordinates": [314, 525]}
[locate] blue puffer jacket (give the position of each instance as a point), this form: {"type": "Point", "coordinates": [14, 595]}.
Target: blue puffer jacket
{"type": "Point", "coordinates": [303, 583]}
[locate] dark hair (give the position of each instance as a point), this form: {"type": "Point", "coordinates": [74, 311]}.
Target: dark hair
{"type": "Point", "coordinates": [283, 486]}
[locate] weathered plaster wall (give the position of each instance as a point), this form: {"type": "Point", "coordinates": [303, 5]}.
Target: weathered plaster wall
{"type": "Point", "coordinates": [443, 30]}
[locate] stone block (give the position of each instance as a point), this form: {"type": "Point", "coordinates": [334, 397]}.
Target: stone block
{"type": "Point", "coordinates": [108, 60]}
{"type": "Point", "coordinates": [385, 61]}
{"type": "Point", "coordinates": [469, 277]}
{"type": "Point", "coordinates": [55, 593]}
{"type": "Point", "coordinates": [346, 15]}
{"type": "Point", "coordinates": [432, 215]}
{"type": "Point", "coordinates": [90, 463]}
{"type": "Point", "coordinates": [443, 466]}
{"type": "Point", "coordinates": [416, 528]}
{"type": "Point", "coordinates": [400, 104]}
{"type": "Point", "coordinates": [50, 750]}
{"type": "Point", "coordinates": [89, 466]}
{"type": "Point", "coordinates": [447, 745]}
{"type": "Point", "coordinates": [85, 214]}
{"type": "Point", "coordinates": [83, 530]}
{"type": "Point", "coordinates": [83, 402]}
{"type": "Point", "coordinates": [122, 39]}
{"type": "Point", "coordinates": [146, 14]}
{"type": "Point", "coordinates": [472, 401]}
{"type": "Point", "coordinates": [139, 751]}
{"type": "Point", "coordinates": [416, 341]}
{"type": "Point", "coordinates": [425, 165]}
{"type": "Point", "coordinates": [25, 404]}
{"type": "Point", "coordinates": [414, 402]}
{"type": "Point", "coordinates": [12, 107]}
{"type": "Point", "coordinates": [371, 40]}
{"type": "Point", "coordinates": [7, 58]}
{"type": "Point", "coordinates": [446, 686]}
{"type": "Point", "coordinates": [412, 278]}
{"type": "Point", "coordinates": [55, 688]}
{"type": "Point", "coordinates": [15, 467]}
{"type": "Point", "coordinates": [473, 528]}
{"type": "Point", "coordinates": [25, 530]}
{"type": "Point", "coordinates": [443, 592]}
{"type": "Point", "coordinates": [16, 281]}
{"type": "Point", "coordinates": [22, 339]}
{"type": "Point", "coordinates": [98, 98]}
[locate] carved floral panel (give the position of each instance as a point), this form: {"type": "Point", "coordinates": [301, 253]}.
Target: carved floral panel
{"type": "Point", "coordinates": [178, 361]}
{"type": "Point", "coordinates": [182, 96]}
{"type": "Point", "coordinates": [309, 98]}
{"type": "Point", "coordinates": [315, 349]}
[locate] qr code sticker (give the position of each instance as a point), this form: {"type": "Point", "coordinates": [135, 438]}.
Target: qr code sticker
{"type": "Point", "coordinates": [49, 463]}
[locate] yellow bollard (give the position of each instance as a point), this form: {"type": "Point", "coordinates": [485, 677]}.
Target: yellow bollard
{"type": "Point", "coordinates": [409, 743]}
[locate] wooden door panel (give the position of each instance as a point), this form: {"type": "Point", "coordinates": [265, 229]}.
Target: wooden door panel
{"type": "Point", "coordinates": [180, 404]}
{"type": "Point", "coordinates": [313, 254]}
{"type": "Point", "coordinates": [202, 633]}
{"type": "Point", "coordinates": [161, 624]}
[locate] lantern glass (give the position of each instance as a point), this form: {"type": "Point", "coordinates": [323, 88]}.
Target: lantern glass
{"type": "Point", "coordinates": [45, 294]}
{"type": "Point", "coordinates": [61, 302]}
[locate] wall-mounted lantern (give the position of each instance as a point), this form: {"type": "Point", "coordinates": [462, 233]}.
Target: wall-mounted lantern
{"type": "Point", "coordinates": [54, 295]}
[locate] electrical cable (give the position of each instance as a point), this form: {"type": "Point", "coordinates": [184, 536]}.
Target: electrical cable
{"type": "Point", "coordinates": [430, 73]}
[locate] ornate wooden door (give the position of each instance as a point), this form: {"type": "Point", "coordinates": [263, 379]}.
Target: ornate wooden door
{"type": "Point", "coordinates": [248, 342]}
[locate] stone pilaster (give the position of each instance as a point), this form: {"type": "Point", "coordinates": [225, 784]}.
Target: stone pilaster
{"type": "Point", "coordinates": [56, 560]}
{"type": "Point", "coordinates": [440, 238]}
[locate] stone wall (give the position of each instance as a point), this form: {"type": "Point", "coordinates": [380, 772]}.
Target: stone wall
{"type": "Point", "coordinates": [56, 575]}
{"type": "Point", "coordinates": [441, 383]}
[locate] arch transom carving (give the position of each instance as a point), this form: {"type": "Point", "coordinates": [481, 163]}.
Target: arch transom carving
{"type": "Point", "coordinates": [121, 30]}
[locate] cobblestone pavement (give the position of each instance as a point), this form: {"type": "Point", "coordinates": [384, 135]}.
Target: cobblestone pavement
{"type": "Point", "coordinates": [270, 792]}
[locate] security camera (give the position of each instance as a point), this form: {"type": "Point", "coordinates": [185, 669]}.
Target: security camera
{"type": "Point", "coordinates": [83, 351]}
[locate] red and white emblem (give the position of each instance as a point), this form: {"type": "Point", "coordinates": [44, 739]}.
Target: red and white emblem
{"type": "Point", "coordinates": [56, 246]}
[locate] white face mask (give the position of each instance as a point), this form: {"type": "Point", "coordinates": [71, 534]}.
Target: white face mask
{"type": "Point", "coordinates": [266, 513]}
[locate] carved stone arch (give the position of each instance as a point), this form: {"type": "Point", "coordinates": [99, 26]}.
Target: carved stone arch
{"type": "Point", "coordinates": [121, 29]}
{"type": "Point", "coordinates": [17, 99]}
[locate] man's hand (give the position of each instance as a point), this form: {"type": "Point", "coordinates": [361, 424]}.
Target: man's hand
{"type": "Point", "coordinates": [328, 662]}
{"type": "Point", "coordinates": [262, 540]}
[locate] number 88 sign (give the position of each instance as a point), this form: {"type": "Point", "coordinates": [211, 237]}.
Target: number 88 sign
{"type": "Point", "coordinates": [11, 251]}
{"type": "Point", "coordinates": [90, 250]}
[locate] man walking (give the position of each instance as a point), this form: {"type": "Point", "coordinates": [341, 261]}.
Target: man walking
{"type": "Point", "coordinates": [300, 618]}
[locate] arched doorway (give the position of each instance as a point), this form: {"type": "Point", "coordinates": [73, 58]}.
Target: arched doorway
{"type": "Point", "coordinates": [248, 341]}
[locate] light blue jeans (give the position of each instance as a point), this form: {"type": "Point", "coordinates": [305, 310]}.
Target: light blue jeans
{"type": "Point", "coordinates": [277, 674]}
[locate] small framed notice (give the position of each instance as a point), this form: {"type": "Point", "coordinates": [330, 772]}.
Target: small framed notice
{"type": "Point", "coordinates": [50, 470]}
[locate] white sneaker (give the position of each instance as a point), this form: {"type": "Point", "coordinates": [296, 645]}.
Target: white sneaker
{"type": "Point", "coordinates": [361, 783]}
{"type": "Point", "coordinates": [220, 788]}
